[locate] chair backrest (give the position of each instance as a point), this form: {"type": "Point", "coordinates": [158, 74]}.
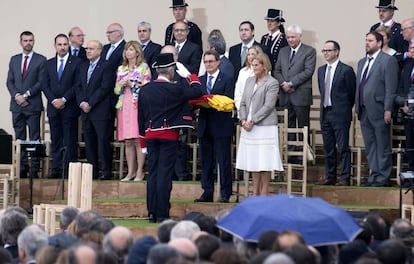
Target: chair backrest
{"type": "Point", "coordinates": [80, 185]}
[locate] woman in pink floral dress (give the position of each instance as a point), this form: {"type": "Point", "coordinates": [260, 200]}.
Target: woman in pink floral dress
{"type": "Point", "coordinates": [131, 75]}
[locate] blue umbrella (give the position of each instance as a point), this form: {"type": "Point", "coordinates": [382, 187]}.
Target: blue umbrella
{"type": "Point", "coordinates": [319, 222]}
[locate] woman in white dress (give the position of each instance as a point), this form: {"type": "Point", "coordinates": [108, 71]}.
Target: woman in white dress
{"type": "Point", "coordinates": [258, 150]}
{"type": "Point", "coordinates": [245, 73]}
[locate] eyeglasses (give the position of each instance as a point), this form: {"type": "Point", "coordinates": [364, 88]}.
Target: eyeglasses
{"type": "Point", "coordinates": [111, 31]}
{"type": "Point", "coordinates": [404, 29]}
{"type": "Point", "coordinates": [327, 50]}
{"type": "Point", "coordinates": [180, 30]}
{"type": "Point", "coordinates": [209, 61]}
{"type": "Point", "coordinates": [79, 35]}
{"type": "Point", "coordinates": [142, 30]}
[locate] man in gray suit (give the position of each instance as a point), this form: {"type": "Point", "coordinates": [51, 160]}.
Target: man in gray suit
{"type": "Point", "coordinates": [24, 79]}
{"type": "Point", "coordinates": [294, 70]}
{"type": "Point", "coordinates": [377, 81]}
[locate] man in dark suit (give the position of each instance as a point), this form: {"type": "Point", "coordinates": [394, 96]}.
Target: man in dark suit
{"type": "Point", "coordinates": [93, 94]}
{"type": "Point", "coordinates": [401, 100]}
{"type": "Point", "coordinates": [294, 70]}
{"type": "Point", "coordinates": [214, 131]}
{"type": "Point", "coordinates": [112, 54]}
{"type": "Point", "coordinates": [151, 49]}
{"type": "Point", "coordinates": [76, 39]}
{"type": "Point", "coordinates": [26, 71]}
{"type": "Point", "coordinates": [160, 110]}
{"type": "Point", "coordinates": [377, 81]}
{"type": "Point", "coordinates": [407, 31]}
{"type": "Point", "coordinates": [238, 52]}
{"type": "Point", "coordinates": [337, 88]}
{"type": "Point", "coordinates": [386, 10]}
{"type": "Point", "coordinates": [188, 52]}
{"type": "Point", "coordinates": [61, 73]}
{"type": "Point", "coordinates": [179, 8]}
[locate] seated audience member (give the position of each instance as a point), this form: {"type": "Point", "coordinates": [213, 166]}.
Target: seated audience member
{"type": "Point", "coordinates": [118, 241]}
{"type": "Point", "coordinates": [184, 229]}
{"type": "Point", "coordinates": [207, 245]}
{"type": "Point", "coordinates": [161, 254]}
{"type": "Point", "coordinates": [260, 257]}
{"type": "Point", "coordinates": [12, 222]}
{"type": "Point", "coordinates": [392, 251]}
{"type": "Point", "coordinates": [47, 255]}
{"type": "Point", "coordinates": [31, 240]}
{"type": "Point", "coordinates": [208, 224]}
{"type": "Point", "coordinates": [85, 253]}
{"type": "Point", "coordinates": [164, 230]}
{"type": "Point", "coordinates": [66, 217]}
{"type": "Point", "coordinates": [403, 230]}
{"type": "Point", "coordinates": [301, 254]}
{"type": "Point", "coordinates": [287, 239]}
{"type": "Point", "coordinates": [266, 240]}
{"type": "Point", "coordinates": [138, 254]}
{"type": "Point", "coordinates": [279, 258]}
{"type": "Point", "coordinates": [186, 247]}
{"type": "Point", "coordinates": [379, 228]}
{"type": "Point", "coordinates": [227, 256]}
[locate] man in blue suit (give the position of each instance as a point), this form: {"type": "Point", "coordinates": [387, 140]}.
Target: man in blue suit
{"type": "Point", "coordinates": [214, 131]}
{"type": "Point", "coordinates": [337, 88]}
{"type": "Point", "coordinates": [61, 73]}
{"type": "Point", "coordinates": [24, 79]}
{"type": "Point", "coordinates": [93, 94]}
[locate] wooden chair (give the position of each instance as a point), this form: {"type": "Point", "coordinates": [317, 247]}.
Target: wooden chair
{"type": "Point", "coordinates": [79, 196]}
{"type": "Point", "coordinates": [10, 179]}
{"type": "Point", "coordinates": [296, 173]}
{"type": "Point", "coordinates": [357, 147]}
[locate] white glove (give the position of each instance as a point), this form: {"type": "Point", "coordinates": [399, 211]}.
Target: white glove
{"type": "Point", "coordinates": [144, 151]}
{"type": "Point", "coordinates": [182, 70]}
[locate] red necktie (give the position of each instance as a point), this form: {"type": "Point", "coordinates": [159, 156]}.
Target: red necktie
{"type": "Point", "coordinates": [24, 66]}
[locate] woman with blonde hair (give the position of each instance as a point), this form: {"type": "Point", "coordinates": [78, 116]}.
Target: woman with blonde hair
{"type": "Point", "coordinates": [131, 75]}
{"type": "Point", "coordinates": [258, 150]}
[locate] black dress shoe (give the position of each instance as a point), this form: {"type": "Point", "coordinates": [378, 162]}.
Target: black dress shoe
{"type": "Point", "coordinates": [152, 218]}
{"type": "Point", "coordinates": [105, 177]}
{"type": "Point", "coordinates": [223, 200]}
{"type": "Point", "coordinates": [203, 200]}
{"type": "Point", "coordinates": [326, 182]}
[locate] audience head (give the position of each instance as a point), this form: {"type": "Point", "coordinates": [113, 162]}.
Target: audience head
{"type": "Point", "coordinates": [67, 216]}
{"type": "Point", "coordinates": [211, 61]}
{"type": "Point", "coordinates": [407, 29]}
{"type": "Point", "coordinates": [207, 245]}
{"type": "Point", "coordinates": [331, 51]}
{"type": "Point", "coordinates": [144, 31]}
{"type": "Point", "coordinates": [392, 251]}
{"type": "Point", "coordinates": [301, 254]}
{"type": "Point", "coordinates": [161, 254]}
{"type": "Point", "coordinates": [217, 44]}
{"type": "Point", "coordinates": [386, 10]}
{"type": "Point", "coordinates": [114, 33]}
{"type": "Point", "coordinates": [385, 32]}
{"type": "Point", "coordinates": [261, 65]}
{"type": "Point", "coordinates": [185, 229]}
{"type": "Point", "coordinates": [12, 222]}
{"type": "Point", "coordinates": [179, 9]}
{"type": "Point", "coordinates": [5, 256]}
{"type": "Point", "coordinates": [252, 52]}
{"type": "Point", "coordinates": [118, 241]}
{"type": "Point", "coordinates": [139, 252]}
{"type": "Point", "coordinates": [287, 239]}
{"type": "Point", "coordinates": [403, 230]}
{"type": "Point", "coordinates": [378, 226]}
{"type": "Point", "coordinates": [170, 49]}
{"type": "Point", "coordinates": [227, 256]}
{"type": "Point", "coordinates": [186, 247]}
{"type": "Point", "coordinates": [47, 255]}
{"type": "Point", "coordinates": [30, 241]}
{"type": "Point", "coordinates": [164, 230]}
{"type": "Point", "coordinates": [260, 257]}
{"type": "Point", "coordinates": [373, 42]}
{"type": "Point", "coordinates": [266, 240]}
{"type": "Point", "coordinates": [83, 253]}
{"type": "Point", "coordinates": [278, 258]}
{"type": "Point", "coordinates": [27, 41]}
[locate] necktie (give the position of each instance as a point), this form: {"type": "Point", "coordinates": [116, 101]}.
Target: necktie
{"type": "Point", "coordinates": [178, 48]}
{"type": "Point", "coordinates": [292, 56]}
{"type": "Point", "coordinates": [243, 55]}
{"type": "Point", "coordinates": [210, 84]}
{"type": "Point", "coordinates": [60, 70]}
{"type": "Point", "coordinates": [412, 75]}
{"type": "Point", "coordinates": [24, 66]}
{"type": "Point", "coordinates": [362, 83]}
{"type": "Point", "coordinates": [143, 46]}
{"type": "Point", "coordinates": [75, 52]}
{"type": "Point", "coordinates": [90, 71]}
{"type": "Point", "coordinates": [111, 49]}
{"type": "Point", "coordinates": [327, 86]}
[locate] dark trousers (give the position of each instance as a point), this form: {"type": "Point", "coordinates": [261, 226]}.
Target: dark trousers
{"type": "Point", "coordinates": [161, 160]}
{"type": "Point", "coordinates": [409, 142]}
{"type": "Point", "coordinates": [216, 150]}
{"type": "Point", "coordinates": [298, 116]}
{"type": "Point", "coordinates": [97, 140]}
{"type": "Point", "coordinates": [21, 121]}
{"type": "Point", "coordinates": [335, 132]}
{"type": "Point", "coordinates": [180, 167]}
{"type": "Point", "coordinates": [64, 136]}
